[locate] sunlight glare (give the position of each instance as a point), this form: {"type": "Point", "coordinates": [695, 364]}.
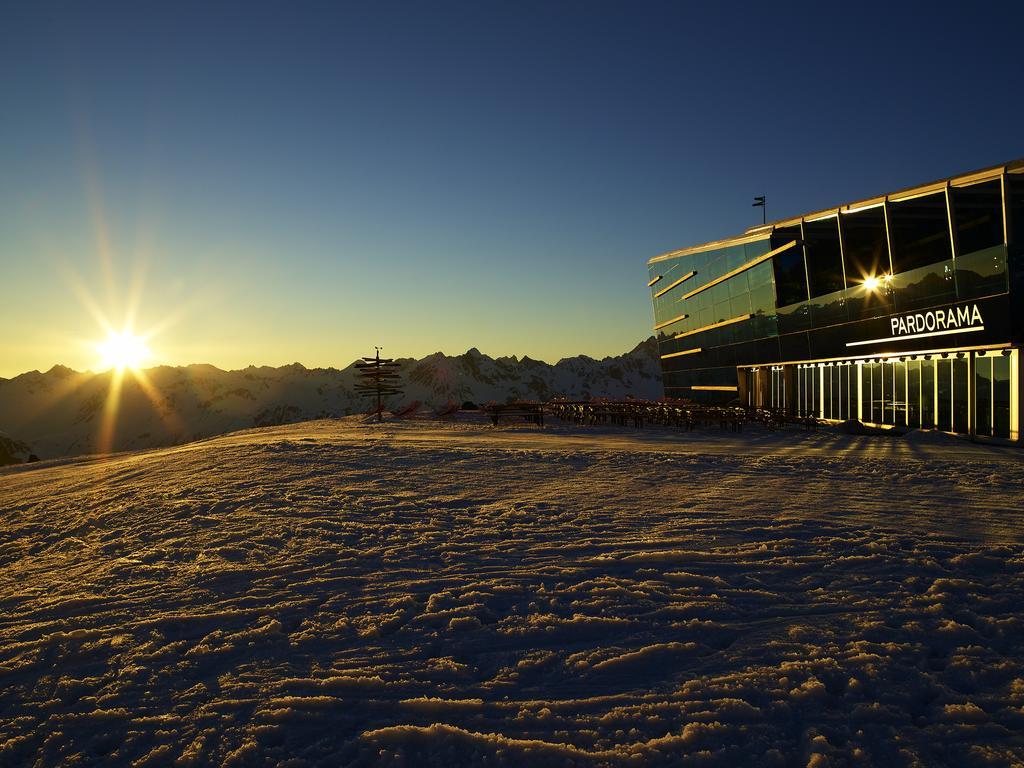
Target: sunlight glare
{"type": "Point", "coordinates": [122, 350]}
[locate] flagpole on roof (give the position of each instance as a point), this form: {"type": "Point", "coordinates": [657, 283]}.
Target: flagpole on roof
{"type": "Point", "coordinates": [759, 203]}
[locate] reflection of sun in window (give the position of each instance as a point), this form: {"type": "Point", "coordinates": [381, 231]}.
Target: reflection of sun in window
{"type": "Point", "coordinates": [871, 283]}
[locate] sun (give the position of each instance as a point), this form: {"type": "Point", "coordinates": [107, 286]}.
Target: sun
{"type": "Point", "coordinates": [122, 350]}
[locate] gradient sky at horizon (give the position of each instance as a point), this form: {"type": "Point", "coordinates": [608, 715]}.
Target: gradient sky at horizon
{"type": "Point", "coordinates": [299, 182]}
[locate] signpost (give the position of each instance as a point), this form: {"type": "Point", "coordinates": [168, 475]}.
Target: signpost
{"type": "Point", "coordinates": [379, 378]}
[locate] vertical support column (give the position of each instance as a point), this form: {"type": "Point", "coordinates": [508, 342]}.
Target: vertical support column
{"type": "Point", "coordinates": [819, 371]}
{"type": "Point", "coordinates": [1016, 382]}
{"type": "Point", "coordinates": [859, 368]}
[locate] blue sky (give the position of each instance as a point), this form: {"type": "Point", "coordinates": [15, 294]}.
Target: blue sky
{"type": "Point", "coordinates": [278, 182]}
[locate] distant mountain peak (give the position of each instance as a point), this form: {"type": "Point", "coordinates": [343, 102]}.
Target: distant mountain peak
{"type": "Point", "coordinates": [201, 400]}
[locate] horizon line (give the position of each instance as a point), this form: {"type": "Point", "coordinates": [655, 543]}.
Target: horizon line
{"type": "Point", "coordinates": [296, 363]}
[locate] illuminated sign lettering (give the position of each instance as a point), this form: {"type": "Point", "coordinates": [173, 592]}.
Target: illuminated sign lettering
{"type": "Point", "coordinates": [937, 320]}
{"type": "Point", "coordinates": [934, 322]}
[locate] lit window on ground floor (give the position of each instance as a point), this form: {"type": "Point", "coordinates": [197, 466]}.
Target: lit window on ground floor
{"type": "Point", "coordinates": [966, 392]}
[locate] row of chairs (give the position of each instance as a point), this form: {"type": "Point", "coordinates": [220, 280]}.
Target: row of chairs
{"type": "Point", "coordinates": [637, 413]}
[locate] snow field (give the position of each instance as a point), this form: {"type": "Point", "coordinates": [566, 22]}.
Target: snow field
{"type": "Point", "coordinates": [414, 594]}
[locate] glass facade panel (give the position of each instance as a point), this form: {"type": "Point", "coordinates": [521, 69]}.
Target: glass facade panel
{"type": "Point", "coordinates": [824, 258]}
{"type": "Point", "coordinates": [928, 394]}
{"type": "Point", "coordinates": [1001, 395]}
{"type": "Point", "coordinates": [749, 292]}
{"type": "Point", "coordinates": [829, 309]}
{"type": "Point", "coordinates": [899, 397]}
{"type": "Point", "coordinates": [788, 266]}
{"type": "Point", "coordinates": [887, 393]}
{"type": "Point", "coordinates": [914, 393]}
{"type": "Point", "coordinates": [815, 375]}
{"type": "Point", "coordinates": [839, 392]}
{"type": "Point", "coordinates": [826, 388]}
{"type": "Point", "coordinates": [865, 246]}
{"type": "Point", "coordinates": [814, 385]}
{"type": "Point", "coordinates": [865, 255]}
{"type": "Point", "coordinates": [961, 394]}
{"type": "Point", "coordinates": [923, 287]}
{"type": "Point", "coordinates": [852, 374]}
{"type": "Point", "coordinates": [864, 371]}
{"type": "Point", "coordinates": [809, 391]}
{"type": "Point", "coordinates": [836, 392]}
{"type": "Point", "coordinates": [983, 395]}
{"type": "Point", "coordinates": [907, 393]}
{"type": "Point", "coordinates": [778, 399]}
{"type": "Point", "coordinates": [796, 317]}
{"type": "Point", "coordinates": [982, 273]}
{"type": "Point", "coordinates": [829, 391]}
{"type": "Point", "coordinates": [919, 232]}
{"type": "Point", "coordinates": [738, 285]}
{"type": "Point", "coordinates": [944, 401]}
{"type": "Point", "coordinates": [978, 216]}
{"type": "Point", "coordinates": [877, 394]}
{"type": "Point", "coordinates": [1015, 204]}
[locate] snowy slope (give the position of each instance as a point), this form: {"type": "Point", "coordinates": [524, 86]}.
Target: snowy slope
{"type": "Point", "coordinates": [61, 412]}
{"type": "Point", "coordinates": [333, 593]}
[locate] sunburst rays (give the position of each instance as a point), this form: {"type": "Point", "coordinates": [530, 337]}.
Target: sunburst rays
{"type": "Point", "coordinates": [121, 348]}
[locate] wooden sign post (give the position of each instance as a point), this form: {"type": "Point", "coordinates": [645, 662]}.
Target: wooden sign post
{"type": "Point", "coordinates": [379, 378]}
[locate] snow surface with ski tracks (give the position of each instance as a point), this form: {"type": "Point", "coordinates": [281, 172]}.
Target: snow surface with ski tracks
{"type": "Point", "coordinates": [335, 593]}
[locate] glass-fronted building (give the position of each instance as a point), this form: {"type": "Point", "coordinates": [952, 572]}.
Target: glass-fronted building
{"type": "Point", "coordinates": [898, 310]}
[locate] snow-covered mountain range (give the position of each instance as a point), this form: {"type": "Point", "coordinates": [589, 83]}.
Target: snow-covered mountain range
{"type": "Point", "coordinates": [63, 412]}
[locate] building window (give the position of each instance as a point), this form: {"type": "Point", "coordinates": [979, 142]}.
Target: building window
{"type": "Point", "coordinates": [824, 257]}
{"type": "Point", "coordinates": [961, 394]}
{"type": "Point", "coordinates": [928, 394]}
{"type": "Point", "coordinates": [992, 394]}
{"type": "Point", "coordinates": [875, 395]}
{"type": "Point", "coordinates": [826, 392]}
{"type": "Point", "coordinates": [978, 215]}
{"type": "Point", "coordinates": [865, 246]}
{"type": "Point", "coordinates": [1001, 366]}
{"type": "Point", "coordinates": [778, 394]}
{"type": "Point", "coordinates": [944, 399]}
{"type": "Point", "coordinates": [981, 255]}
{"type": "Point", "coordinates": [919, 230]}
{"type": "Point", "coordinates": [1015, 191]}
{"type": "Point", "coordinates": [899, 394]}
{"type": "Point", "coordinates": [983, 395]}
{"type": "Point", "coordinates": [914, 393]}
{"type": "Point", "coordinates": [807, 391]}
{"type": "Point", "coordinates": [852, 396]}
{"type": "Point", "coordinates": [788, 267]}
